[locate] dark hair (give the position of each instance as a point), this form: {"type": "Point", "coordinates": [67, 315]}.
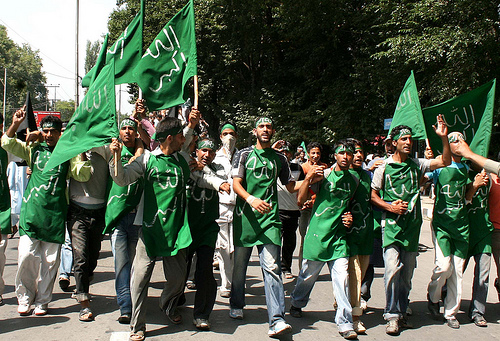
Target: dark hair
{"type": "Point", "coordinates": [56, 121]}
{"type": "Point", "coordinates": [395, 131]}
{"type": "Point", "coordinates": [166, 124]}
{"type": "Point", "coordinates": [355, 142]}
{"type": "Point", "coordinates": [312, 145]}
{"type": "Point", "coordinates": [345, 143]}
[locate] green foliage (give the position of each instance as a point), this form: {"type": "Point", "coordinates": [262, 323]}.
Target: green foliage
{"type": "Point", "coordinates": [91, 53]}
{"type": "Point", "coordinates": [67, 108]}
{"type": "Point", "coordinates": [328, 69]}
{"type": "Point", "coordinates": [24, 73]}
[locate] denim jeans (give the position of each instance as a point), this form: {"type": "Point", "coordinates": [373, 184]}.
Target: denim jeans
{"type": "Point", "coordinates": [399, 267]}
{"type": "Point", "coordinates": [269, 256]}
{"type": "Point", "coordinates": [123, 243]}
{"type": "Point", "coordinates": [480, 285]}
{"type": "Point", "coordinates": [66, 266]}
{"type": "Point", "coordinates": [340, 282]}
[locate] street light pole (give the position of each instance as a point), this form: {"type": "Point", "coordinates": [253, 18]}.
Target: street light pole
{"type": "Point", "coordinates": [4, 95]}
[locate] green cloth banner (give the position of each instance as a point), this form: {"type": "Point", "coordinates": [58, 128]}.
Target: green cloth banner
{"type": "Point", "coordinates": [470, 114]}
{"type": "Point", "coordinates": [169, 62]}
{"type": "Point", "coordinates": [93, 124]}
{"type": "Point", "coordinates": [127, 52]}
{"type": "Point", "coordinates": [408, 111]}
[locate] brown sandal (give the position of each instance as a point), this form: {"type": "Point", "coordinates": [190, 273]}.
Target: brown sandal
{"type": "Point", "coordinates": [137, 336]}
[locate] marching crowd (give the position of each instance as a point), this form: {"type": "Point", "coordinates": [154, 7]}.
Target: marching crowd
{"type": "Point", "coordinates": [164, 191]}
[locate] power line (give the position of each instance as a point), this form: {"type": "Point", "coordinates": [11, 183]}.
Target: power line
{"type": "Point", "coordinates": [53, 74]}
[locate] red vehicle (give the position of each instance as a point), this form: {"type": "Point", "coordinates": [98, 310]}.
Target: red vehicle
{"type": "Point", "coordinates": [41, 114]}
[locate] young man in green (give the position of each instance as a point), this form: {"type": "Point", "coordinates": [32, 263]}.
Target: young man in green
{"type": "Point", "coordinates": [326, 240]}
{"type": "Point", "coordinates": [203, 210]}
{"type": "Point", "coordinates": [450, 225]}
{"type": "Point", "coordinates": [360, 236]}
{"type": "Point", "coordinates": [396, 190]}
{"type": "Point", "coordinates": [43, 213]}
{"type": "Point", "coordinates": [256, 223]}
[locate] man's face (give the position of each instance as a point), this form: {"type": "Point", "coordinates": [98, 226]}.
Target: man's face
{"type": "Point", "coordinates": [358, 157]}
{"type": "Point", "coordinates": [389, 148]}
{"type": "Point", "coordinates": [127, 134]}
{"type": "Point", "coordinates": [205, 155]}
{"type": "Point", "coordinates": [264, 132]}
{"type": "Point", "coordinates": [314, 155]}
{"type": "Point", "coordinates": [177, 141]}
{"type": "Point", "coordinates": [51, 136]}
{"type": "Point", "coordinates": [227, 131]}
{"type": "Point", "coordinates": [403, 144]}
{"type": "Point", "coordinates": [344, 159]}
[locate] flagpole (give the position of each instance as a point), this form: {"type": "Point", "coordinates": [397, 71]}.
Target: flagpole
{"type": "Point", "coordinates": [195, 79]}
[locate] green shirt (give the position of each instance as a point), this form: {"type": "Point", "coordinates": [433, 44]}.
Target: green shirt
{"type": "Point", "coordinates": [480, 226]}
{"type": "Point", "coordinates": [5, 224]}
{"type": "Point", "coordinates": [326, 235]}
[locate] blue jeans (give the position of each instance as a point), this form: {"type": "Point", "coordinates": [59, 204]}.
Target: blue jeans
{"type": "Point", "coordinates": [66, 266]}
{"type": "Point", "coordinates": [480, 286]}
{"type": "Point", "coordinates": [399, 267]}
{"type": "Point", "coordinates": [270, 262]}
{"type": "Point", "coordinates": [340, 282]}
{"type": "Point", "coordinates": [123, 243]}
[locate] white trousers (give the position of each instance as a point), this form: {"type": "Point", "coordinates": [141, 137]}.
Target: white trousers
{"type": "Point", "coordinates": [224, 248]}
{"type": "Point", "coordinates": [3, 246]}
{"type": "Point", "coordinates": [38, 262]}
{"type": "Point", "coordinates": [448, 270]}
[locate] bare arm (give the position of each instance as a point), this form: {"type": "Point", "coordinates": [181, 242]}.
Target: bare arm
{"type": "Point", "coordinates": [399, 206]}
{"type": "Point", "coordinates": [260, 205]}
{"type": "Point", "coordinates": [442, 131]}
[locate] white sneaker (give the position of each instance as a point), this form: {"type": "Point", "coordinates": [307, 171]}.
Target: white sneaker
{"type": "Point", "coordinates": [40, 310]}
{"type": "Point", "coordinates": [280, 328]}
{"type": "Point", "coordinates": [236, 313]}
{"type": "Point", "coordinates": [23, 309]}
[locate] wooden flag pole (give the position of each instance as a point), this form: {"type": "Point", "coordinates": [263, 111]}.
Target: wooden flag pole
{"type": "Point", "coordinates": [195, 79]}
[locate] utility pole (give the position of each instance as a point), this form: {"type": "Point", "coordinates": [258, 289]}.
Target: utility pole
{"type": "Point", "coordinates": [76, 58]}
{"type": "Point", "coordinates": [4, 95]}
{"type": "Point", "coordinates": [55, 86]}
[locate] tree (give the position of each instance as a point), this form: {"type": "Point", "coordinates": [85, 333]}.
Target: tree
{"type": "Point", "coordinates": [67, 108]}
{"type": "Point", "coordinates": [91, 54]}
{"type": "Point", "coordinates": [24, 73]}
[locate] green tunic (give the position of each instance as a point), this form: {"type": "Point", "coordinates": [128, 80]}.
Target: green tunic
{"type": "Point", "coordinates": [122, 200]}
{"type": "Point", "coordinates": [480, 226]}
{"type": "Point", "coordinates": [326, 235]}
{"type": "Point", "coordinates": [165, 225]}
{"type": "Point", "coordinates": [261, 167]}
{"type": "Point", "coordinates": [401, 181]}
{"type": "Point", "coordinates": [450, 222]}
{"type": "Point", "coordinates": [360, 236]}
{"type": "Point", "coordinates": [5, 224]}
{"type": "Point", "coordinates": [203, 210]}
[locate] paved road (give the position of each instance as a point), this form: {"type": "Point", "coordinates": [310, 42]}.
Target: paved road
{"type": "Point", "coordinates": [317, 324]}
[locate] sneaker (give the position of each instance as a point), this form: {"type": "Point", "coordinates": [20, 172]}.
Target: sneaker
{"type": "Point", "coordinates": [40, 310]}
{"type": "Point", "coordinates": [359, 327]}
{"type": "Point", "coordinates": [201, 324]}
{"type": "Point", "coordinates": [236, 313]}
{"type": "Point", "coordinates": [392, 326]}
{"type": "Point", "coordinates": [349, 335]}
{"type": "Point", "coordinates": [452, 322]}
{"type": "Point", "coordinates": [280, 328]}
{"type": "Point", "coordinates": [433, 309]}
{"type": "Point", "coordinates": [23, 309]}
{"type": "Point", "coordinates": [295, 312]}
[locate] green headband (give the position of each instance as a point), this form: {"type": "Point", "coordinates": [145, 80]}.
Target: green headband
{"type": "Point", "coordinates": [343, 148]}
{"type": "Point", "coordinates": [163, 135]}
{"type": "Point", "coordinates": [455, 136]}
{"type": "Point", "coordinates": [358, 148]}
{"type": "Point", "coordinates": [227, 126]}
{"type": "Point", "coordinates": [51, 124]}
{"type": "Point", "coordinates": [206, 143]}
{"type": "Point", "coordinates": [402, 133]}
{"type": "Point", "coordinates": [263, 120]}
{"type": "Point", "coordinates": [127, 122]}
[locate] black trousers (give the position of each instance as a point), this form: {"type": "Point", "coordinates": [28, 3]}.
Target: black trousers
{"type": "Point", "coordinates": [85, 228]}
{"type": "Point", "coordinates": [289, 224]}
{"type": "Point", "coordinates": [206, 286]}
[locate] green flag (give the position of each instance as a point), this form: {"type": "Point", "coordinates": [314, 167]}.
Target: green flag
{"type": "Point", "coordinates": [127, 49]}
{"type": "Point", "coordinates": [169, 62]}
{"type": "Point", "coordinates": [408, 111]}
{"type": "Point", "coordinates": [93, 124]}
{"type": "Point", "coordinates": [91, 76]}
{"type": "Point", "coordinates": [470, 114]}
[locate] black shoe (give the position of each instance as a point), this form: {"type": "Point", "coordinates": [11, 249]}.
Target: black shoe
{"type": "Point", "coordinates": [453, 323]}
{"type": "Point", "coordinates": [433, 309]}
{"type": "Point", "coordinates": [64, 283]}
{"type": "Point", "coordinates": [295, 312]}
{"type": "Point", "coordinates": [497, 286]}
{"type": "Point", "coordinates": [124, 319]}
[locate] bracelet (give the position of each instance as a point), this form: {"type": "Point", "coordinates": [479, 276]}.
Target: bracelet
{"type": "Point", "coordinates": [250, 199]}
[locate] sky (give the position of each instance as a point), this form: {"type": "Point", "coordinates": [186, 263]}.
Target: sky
{"type": "Point", "coordinates": [49, 26]}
